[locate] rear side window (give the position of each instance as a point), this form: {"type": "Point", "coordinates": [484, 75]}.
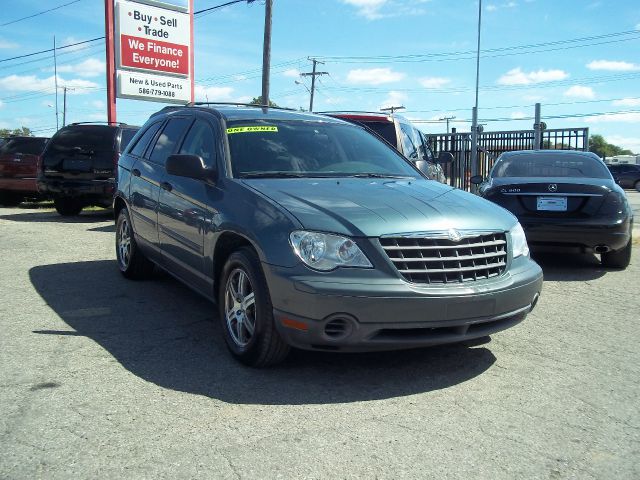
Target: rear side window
{"type": "Point", "coordinates": [200, 141]}
{"type": "Point", "coordinates": [27, 146]}
{"type": "Point", "coordinates": [144, 139]}
{"type": "Point", "coordinates": [168, 139]}
{"type": "Point", "coordinates": [410, 142]}
{"type": "Point", "coordinates": [125, 138]}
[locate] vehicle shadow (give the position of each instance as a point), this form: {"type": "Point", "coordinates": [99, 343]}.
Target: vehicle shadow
{"type": "Point", "coordinates": [91, 216]}
{"type": "Point", "coordinates": [162, 332]}
{"type": "Point", "coordinates": [570, 267]}
{"type": "Point", "coordinates": [106, 228]}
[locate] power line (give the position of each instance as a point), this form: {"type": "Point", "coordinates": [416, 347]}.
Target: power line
{"type": "Point", "coordinates": [51, 49]}
{"type": "Point", "coordinates": [199, 12]}
{"type": "Point", "coordinates": [39, 13]}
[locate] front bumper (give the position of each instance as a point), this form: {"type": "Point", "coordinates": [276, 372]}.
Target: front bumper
{"type": "Point", "coordinates": [578, 235]}
{"type": "Point", "coordinates": [313, 313]}
{"type": "Point", "coordinates": [100, 191]}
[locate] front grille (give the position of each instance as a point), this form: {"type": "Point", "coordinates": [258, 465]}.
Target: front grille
{"type": "Point", "coordinates": [437, 260]}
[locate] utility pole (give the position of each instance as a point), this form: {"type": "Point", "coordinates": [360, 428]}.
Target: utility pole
{"type": "Point", "coordinates": [447, 120]}
{"type": "Point", "coordinates": [55, 77]}
{"type": "Point", "coordinates": [313, 76]}
{"type": "Point", "coordinates": [392, 109]}
{"type": "Point", "coordinates": [474, 125]}
{"type": "Point", "coordinates": [266, 51]}
{"type": "Point", "coordinates": [64, 106]}
{"type": "Point", "coordinates": [537, 129]}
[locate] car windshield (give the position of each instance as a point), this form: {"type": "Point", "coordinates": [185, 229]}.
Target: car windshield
{"type": "Point", "coordinates": [576, 166]}
{"type": "Point", "coordinates": [311, 149]}
{"type": "Point", "coordinates": [30, 146]}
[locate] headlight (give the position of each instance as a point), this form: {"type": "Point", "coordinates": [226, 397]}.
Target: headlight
{"type": "Point", "coordinates": [519, 241]}
{"type": "Point", "coordinates": [325, 251]}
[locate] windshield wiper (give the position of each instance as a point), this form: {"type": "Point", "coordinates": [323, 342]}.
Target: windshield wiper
{"type": "Point", "coordinates": [272, 175]}
{"type": "Point", "coordinates": [376, 175]}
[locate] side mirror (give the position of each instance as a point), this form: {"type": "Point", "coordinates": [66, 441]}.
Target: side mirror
{"type": "Point", "coordinates": [476, 179]}
{"type": "Point", "coordinates": [190, 166]}
{"type": "Point", "coordinates": [445, 157]}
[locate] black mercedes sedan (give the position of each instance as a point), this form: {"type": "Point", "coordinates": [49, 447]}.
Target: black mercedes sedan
{"type": "Point", "coordinates": [565, 200]}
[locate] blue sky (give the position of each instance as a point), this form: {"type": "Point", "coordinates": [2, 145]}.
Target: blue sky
{"type": "Point", "coordinates": [377, 52]}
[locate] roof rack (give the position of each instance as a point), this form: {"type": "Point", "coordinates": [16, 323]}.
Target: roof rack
{"type": "Point", "coordinates": [238, 104]}
{"type": "Point", "coordinates": [99, 122]}
{"type": "Point", "coordinates": [354, 111]}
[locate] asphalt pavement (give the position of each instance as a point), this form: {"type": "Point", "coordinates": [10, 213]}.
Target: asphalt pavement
{"type": "Point", "coordinates": [101, 377]}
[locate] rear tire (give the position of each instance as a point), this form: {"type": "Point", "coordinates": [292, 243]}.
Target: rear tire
{"type": "Point", "coordinates": [246, 313]}
{"type": "Point", "coordinates": [133, 264]}
{"type": "Point", "coordinates": [68, 207]}
{"type": "Point", "coordinates": [10, 199]}
{"type": "Point", "coordinates": [619, 259]}
{"type": "Point", "coordinates": [637, 186]}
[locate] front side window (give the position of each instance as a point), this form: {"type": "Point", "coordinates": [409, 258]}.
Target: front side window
{"type": "Point", "coordinates": [200, 141]}
{"type": "Point", "coordinates": [168, 139]}
{"type": "Point", "coordinates": [310, 149]}
{"type": "Point", "coordinates": [542, 165]}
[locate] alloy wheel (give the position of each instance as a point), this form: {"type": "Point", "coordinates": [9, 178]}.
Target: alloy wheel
{"type": "Point", "coordinates": [240, 308]}
{"type": "Point", "coordinates": [124, 244]}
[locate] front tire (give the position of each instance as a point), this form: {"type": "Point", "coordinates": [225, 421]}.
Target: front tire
{"type": "Point", "coordinates": [131, 261]}
{"type": "Point", "coordinates": [618, 259]}
{"type": "Point", "coordinates": [246, 313]}
{"type": "Point", "coordinates": [68, 207]}
{"type": "Point", "coordinates": [637, 186]}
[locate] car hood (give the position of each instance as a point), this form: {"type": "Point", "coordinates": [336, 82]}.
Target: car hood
{"type": "Point", "coordinates": [371, 208]}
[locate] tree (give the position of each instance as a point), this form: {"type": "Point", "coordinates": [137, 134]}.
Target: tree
{"type": "Point", "coordinates": [599, 146]}
{"type": "Point", "coordinates": [258, 101]}
{"type": "Point", "coordinates": [20, 132]}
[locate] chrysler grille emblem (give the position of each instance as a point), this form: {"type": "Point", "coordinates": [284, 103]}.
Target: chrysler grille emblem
{"type": "Point", "coordinates": [454, 235]}
{"type": "Point", "coordinates": [553, 187]}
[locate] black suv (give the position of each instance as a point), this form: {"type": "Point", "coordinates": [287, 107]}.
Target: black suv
{"type": "Point", "coordinates": [626, 175]}
{"type": "Point", "coordinates": [310, 232]}
{"type": "Point", "coordinates": [79, 165]}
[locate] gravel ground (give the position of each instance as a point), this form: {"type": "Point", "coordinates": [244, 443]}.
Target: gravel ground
{"type": "Point", "coordinates": [101, 377]}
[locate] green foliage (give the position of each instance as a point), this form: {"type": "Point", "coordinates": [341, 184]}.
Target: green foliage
{"type": "Point", "coordinates": [599, 146]}
{"type": "Point", "coordinates": [258, 101]}
{"type": "Point", "coordinates": [21, 132]}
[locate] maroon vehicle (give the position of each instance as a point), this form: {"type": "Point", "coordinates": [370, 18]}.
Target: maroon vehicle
{"type": "Point", "coordinates": [19, 162]}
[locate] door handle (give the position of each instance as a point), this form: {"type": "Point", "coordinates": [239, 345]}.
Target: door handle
{"type": "Point", "coordinates": [135, 172]}
{"type": "Point", "coordinates": [166, 186]}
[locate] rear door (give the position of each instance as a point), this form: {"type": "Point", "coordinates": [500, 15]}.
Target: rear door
{"type": "Point", "coordinates": [82, 152]}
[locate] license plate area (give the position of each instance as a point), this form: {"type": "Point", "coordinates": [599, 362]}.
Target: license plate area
{"type": "Point", "coordinates": [76, 165]}
{"type": "Point", "coordinates": [552, 204]}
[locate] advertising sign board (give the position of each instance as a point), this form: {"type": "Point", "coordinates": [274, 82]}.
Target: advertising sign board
{"type": "Point", "coordinates": [153, 52]}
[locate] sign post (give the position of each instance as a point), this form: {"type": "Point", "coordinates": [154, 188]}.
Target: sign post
{"type": "Point", "coordinates": [153, 46]}
{"type": "Point", "coordinates": [111, 61]}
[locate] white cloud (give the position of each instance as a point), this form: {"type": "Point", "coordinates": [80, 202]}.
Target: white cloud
{"type": "Point", "coordinates": [613, 66]}
{"type": "Point", "coordinates": [377, 9]}
{"type": "Point", "coordinates": [394, 99]}
{"type": "Point", "coordinates": [7, 44]}
{"type": "Point", "coordinates": [630, 117]}
{"type": "Point", "coordinates": [629, 143]}
{"type": "Point", "coordinates": [97, 104]}
{"type": "Point", "coordinates": [533, 98]}
{"type": "Point", "coordinates": [213, 94]}
{"type": "Point", "coordinates": [517, 77]}
{"type": "Point", "coordinates": [240, 78]}
{"type": "Point", "coordinates": [518, 115]}
{"type": "Point", "coordinates": [1, 103]}
{"type": "Point", "coordinates": [291, 73]}
{"type": "Point", "coordinates": [638, 26]}
{"type": "Point", "coordinates": [374, 76]}
{"type": "Point", "coordinates": [578, 91]}
{"type": "Point", "coordinates": [627, 102]}
{"type": "Point", "coordinates": [30, 83]}
{"type": "Point", "coordinates": [491, 8]}
{"type": "Point", "coordinates": [91, 67]}
{"type": "Point", "coordinates": [434, 82]}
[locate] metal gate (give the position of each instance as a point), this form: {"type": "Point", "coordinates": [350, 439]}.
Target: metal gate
{"type": "Point", "coordinates": [492, 144]}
